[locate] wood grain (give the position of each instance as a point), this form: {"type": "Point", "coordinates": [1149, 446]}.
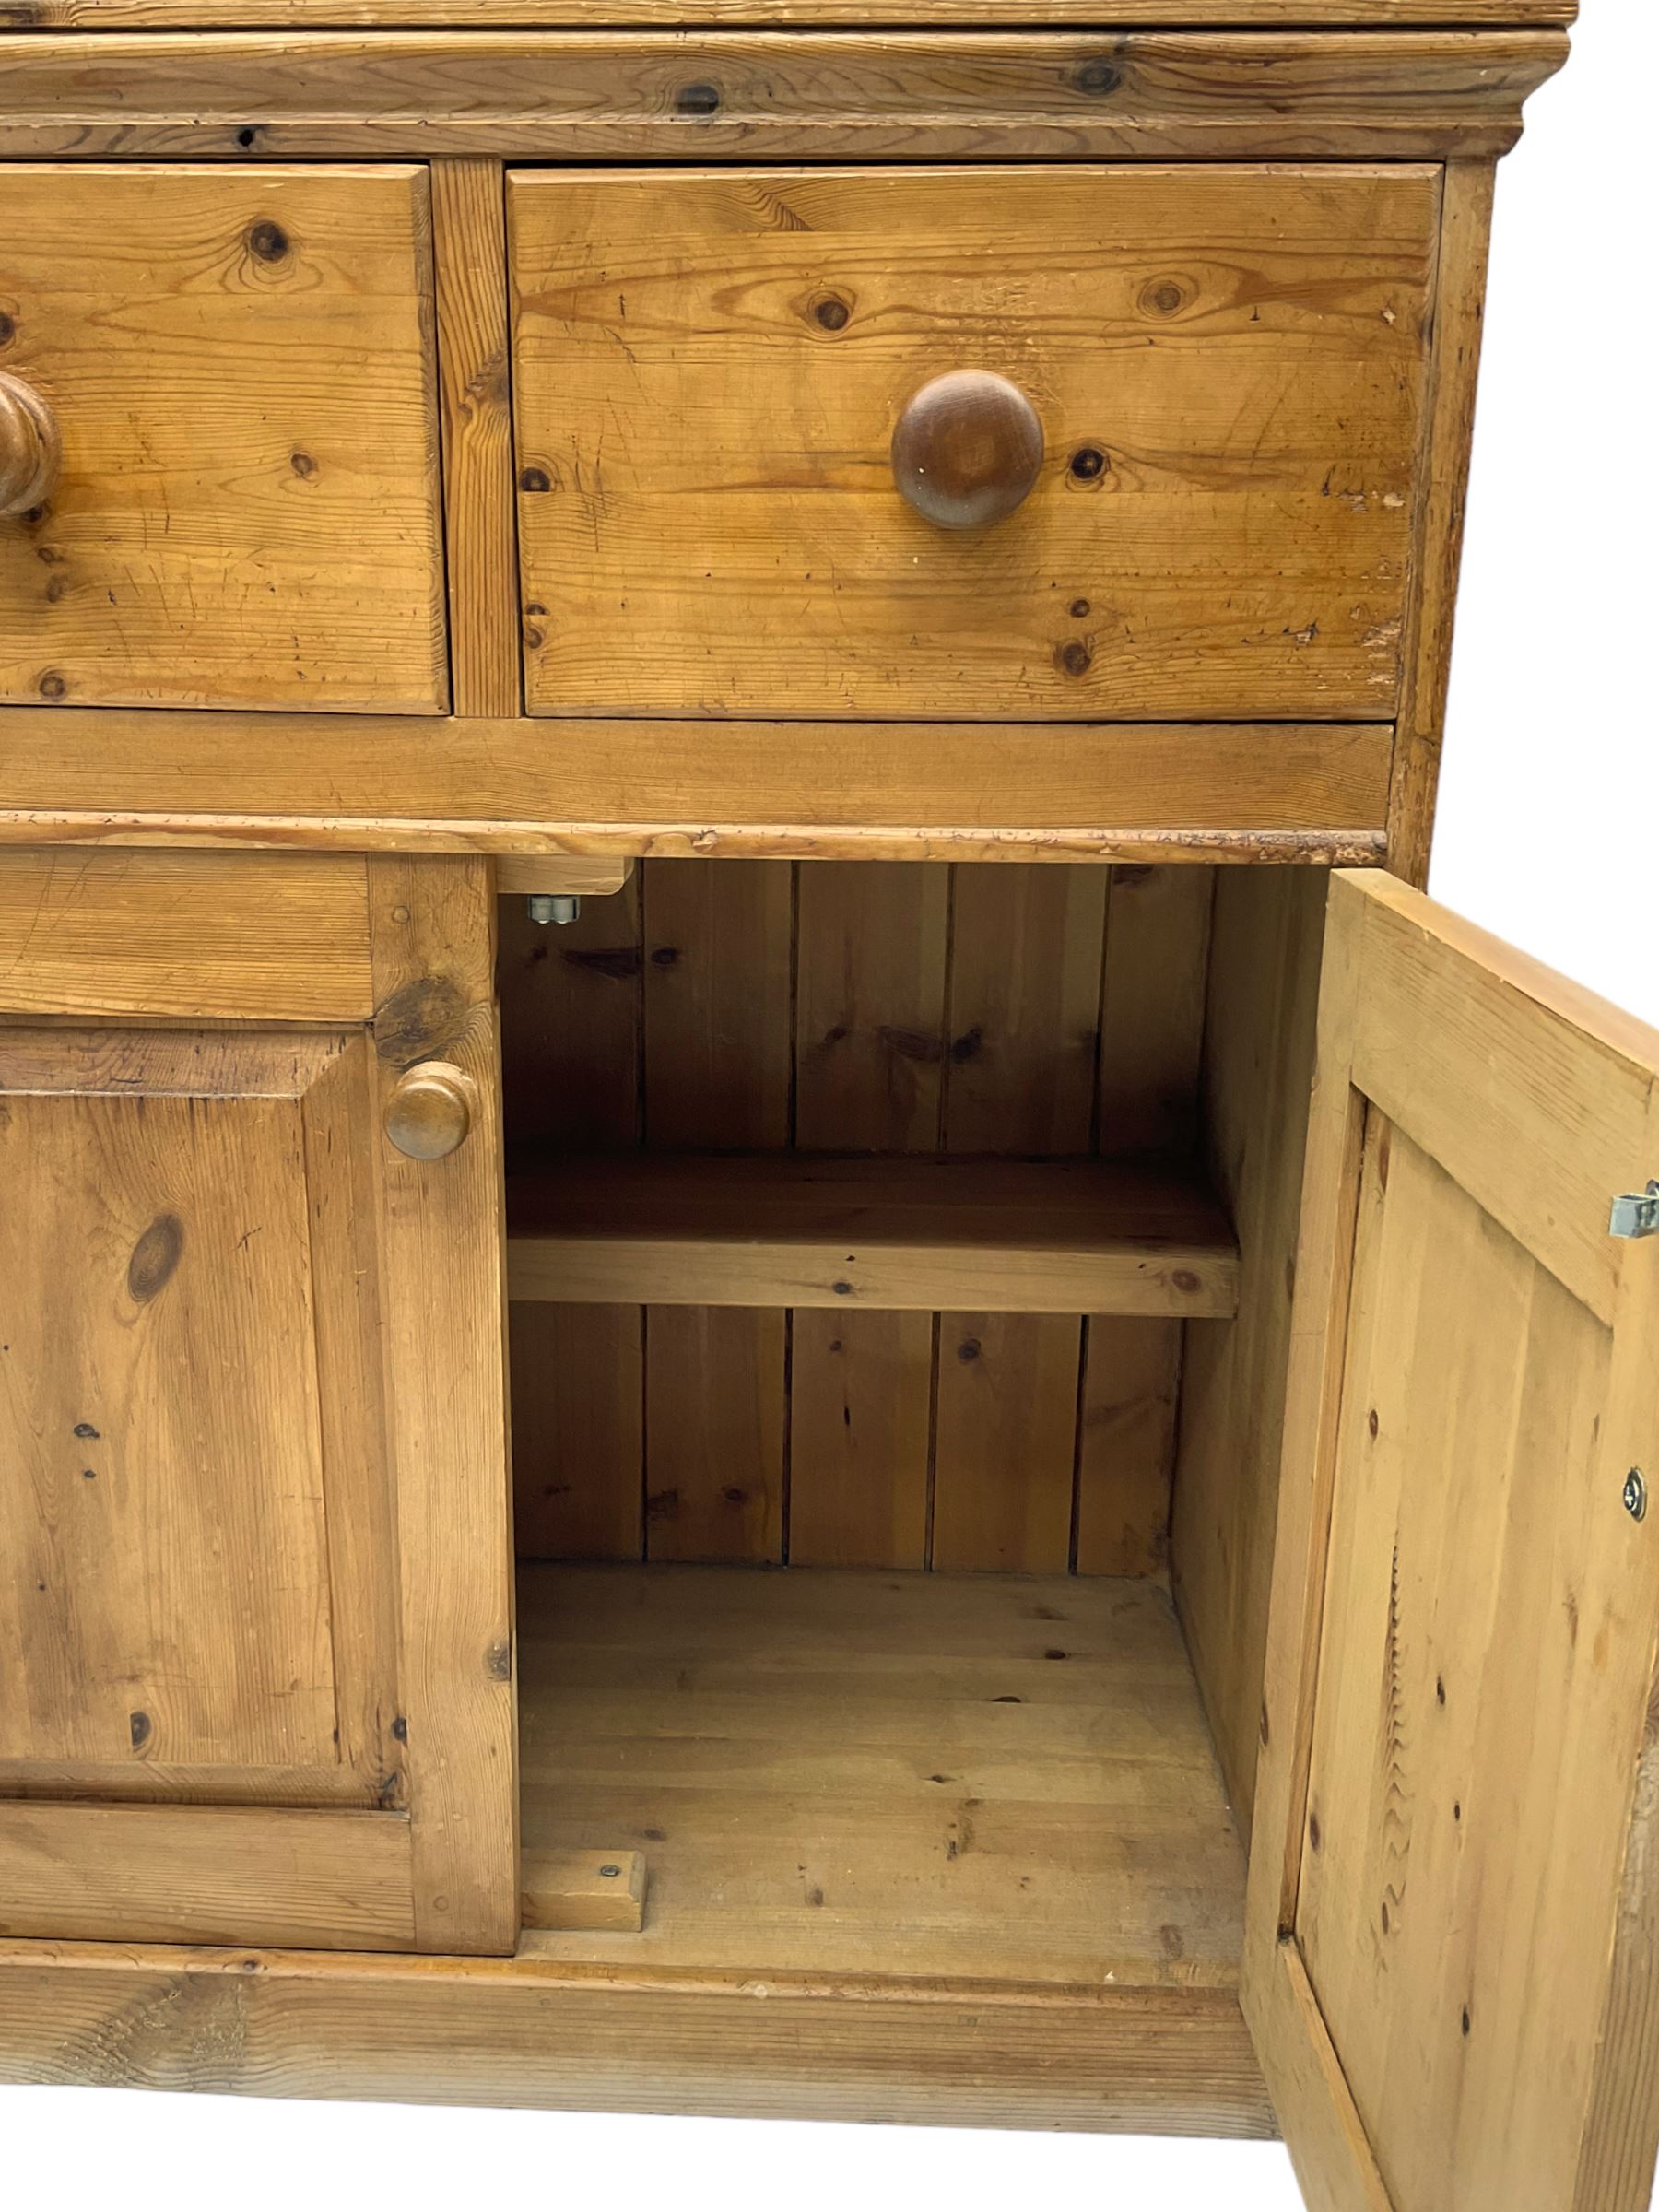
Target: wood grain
{"type": "Point", "coordinates": [1460, 1674]}
{"type": "Point", "coordinates": [1258, 1066]}
{"type": "Point", "coordinates": [196, 936]}
{"type": "Point", "coordinates": [1460, 310]}
{"type": "Point", "coordinates": [445, 1322]}
{"type": "Point", "coordinates": [533, 2031]}
{"type": "Point", "coordinates": [223, 532]}
{"type": "Point", "coordinates": [1370, 15]}
{"type": "Point", "coordinates": [1025, 1010]}
{"type": "Point", "coordinates": [1005, 1441]}
{"type": "Point", "coordinates": [469, 248]}
{"type": "Point", "coordinates": [1020, 1758]}
{"type": "Point", "coordinates": [578, 1431]}
{"type": "Point", "coordinates": [872, 941]}
{"type": "Point", "coordinates": [1396, 94]}
{"type": "Point", "coordinates": [1126, 1445]}
{"type": "Point", "coordinates": [715, 1424]}
{"type": "Point", "coordinates": [1268, 792]}
{"type": "Point", "coordinates": [861, 1402]}
{"type": "Point", "coordinates": [1152, 995]}
{"type": "Point", "coordinates": [206, 1874]}
{"type": "Point", "coordinates": [717, 1004]}
{"type": "Point", "coordinates": [776, 1230]}
{"type": "Point", "coordinates": [1220, 530]}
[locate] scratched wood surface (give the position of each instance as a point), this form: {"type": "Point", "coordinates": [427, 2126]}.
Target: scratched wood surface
{"type": "Point", "coordinates": [242, 369]}
{"type": "Point", "coordinates": [1370, 15]}
{"type": "Point", "coordinates": [1229, 364]}
{"type": "Point", "coordinates": [890, 1009]}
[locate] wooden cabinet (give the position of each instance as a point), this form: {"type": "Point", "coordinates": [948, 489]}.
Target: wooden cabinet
{"type": "Point", "coordinates": [237, 374]}
{"type": "Point", "coordinates": [255, 1691]}
{"type": "Point", "coordinates": [1224, 372]}
{"type": "Point", "coordinates": [1073, 1546]}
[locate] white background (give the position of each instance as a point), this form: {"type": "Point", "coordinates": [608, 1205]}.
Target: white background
{"type": "Point", "coordinates": [1548, 834]}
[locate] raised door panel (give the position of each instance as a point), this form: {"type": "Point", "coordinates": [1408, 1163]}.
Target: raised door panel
{"type": "Point", "coordinates": [1453, 1908]}
{"type": "Point", "coordinates": [256, 1595]}
{"type": "Point", "coordinates": [1227, 365]}
{"type": "Point", "coordinates": [240, 364]}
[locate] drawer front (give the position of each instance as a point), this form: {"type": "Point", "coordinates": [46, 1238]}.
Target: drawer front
{"type": "Point", "coordinates": [1225, 365]}
{"type": "Point", "coordinates": [239, 368]}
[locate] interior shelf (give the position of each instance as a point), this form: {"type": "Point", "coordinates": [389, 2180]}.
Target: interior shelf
{"type": "Point", "coordinates": [919, 1235]}
{"type": "Point", "coordinates": [1001, 1777]}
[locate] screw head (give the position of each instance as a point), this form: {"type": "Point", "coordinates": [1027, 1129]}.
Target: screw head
{"type": "Point", "coordinates": [1636, 1494]}
{"type": "Point", "coordinates": [610, 1873]}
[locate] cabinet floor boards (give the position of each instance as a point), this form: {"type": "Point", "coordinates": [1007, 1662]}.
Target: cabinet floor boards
{"type": "Point", "coordinates": [1003, 1779]}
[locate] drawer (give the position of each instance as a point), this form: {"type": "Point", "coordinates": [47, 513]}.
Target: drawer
{"type": "Point", "coordinates": [1207, 384]}
{"type": "Point", "coordinates": [237, 368]}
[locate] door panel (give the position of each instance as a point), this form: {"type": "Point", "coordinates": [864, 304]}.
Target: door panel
{"type": "Point", "coordinates": [1450, 1883]}
{"type": "Point", "coordinates": [255, 1600]}
{"type": "Point", "coordinates": [1227, 364]}
{"type": "Point", "coordinates": [239, 366]}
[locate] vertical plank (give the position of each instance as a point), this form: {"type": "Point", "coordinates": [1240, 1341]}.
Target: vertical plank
{"type": "Point", "coordinates": [714, 1432]}
{"type": "Point", "coordinates": [860, 1417]}
{"type": "Point", "coordinates": [1443, 475]}
{"type": "Point", "coordinates": [1265, 976]}
{"type": "Point", "coordinates": [717, 943]}
{"type": "Point", "coordinates": [1126, 1444]}
{"type": "Point", "coordinates": [1158, 925]}
{"type": "Point", "coordinates": [469, 236]}
{"type": "Point", "coordinates": [572, 1025]}
{"type": "Point", "coordinates": [870, 1005]}
{"type": "Point", "coordinates": [432, 937]}
{"type": "Point", "coordinates": [578, 1439]}
{"type": "Point", "coordinates": [1024, 1001]}
{"type": "Point", "coordinates": [1006, 1441]}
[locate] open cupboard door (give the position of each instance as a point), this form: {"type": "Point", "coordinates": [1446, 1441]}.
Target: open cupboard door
{"type": "Point", "coordinates": [1453, 1911]}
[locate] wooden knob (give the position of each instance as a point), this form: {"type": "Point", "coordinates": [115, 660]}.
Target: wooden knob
{"type": "Point", "coordinates": [30, 446]}
{"type": "Point", "coordinates": [967, 449]}
{"type": "Point", "coordinates": [430, 1112]}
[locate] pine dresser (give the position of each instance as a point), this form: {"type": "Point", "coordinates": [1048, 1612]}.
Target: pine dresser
{"type": "Point", "coordinates": [779, 1333]}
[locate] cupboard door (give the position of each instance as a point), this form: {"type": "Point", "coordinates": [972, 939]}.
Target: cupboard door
{"type": "Point", "coordinates": [1454, 1909]}
{"type": "Point", "coordinates": [255, 1545]}
{"type": "Point", "coordinates": [236, 369]}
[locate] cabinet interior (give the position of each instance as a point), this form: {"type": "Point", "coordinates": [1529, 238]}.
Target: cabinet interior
{"type": "Point", "coordinates": [924, 1232]}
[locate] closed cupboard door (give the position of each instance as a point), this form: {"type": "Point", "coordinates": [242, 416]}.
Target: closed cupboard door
{"type": "Point", "coordinates": [1033, 444]}
{"type": "Point", "coordinates": [254, 1551]}
{"type": "Point", "coordinates": [218, 437]}
{"type": "Point", "coordinates": [1453, 1905]}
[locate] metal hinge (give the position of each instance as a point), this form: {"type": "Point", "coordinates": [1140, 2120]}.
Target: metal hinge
{"type": "Point", "coordinates": [1634, 1216]}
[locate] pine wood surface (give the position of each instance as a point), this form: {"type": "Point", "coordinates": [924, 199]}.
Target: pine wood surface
{"type": "Point", "coordinates": [1251, 793]}
{"type": "Point", "coordinates": [530, 2031]}
{"type": "Point", "coordinates": [922, 1012]}
{"type": "Point", "coordinates": [790, 1229]}
{"type": "Point", "coordinates": [206, 1874]}
{"type": "Point", "coordinates": [708, 368]}
{"type": "Point", "coordinates": [222, 532]}
{"type": "Point", "coordinates": [888, 1772]}
{"type": "Point", "coordinates": [1398, 94]}
{"type": "Point", "coordinates": [1460, 1669]}
{"type": "Point", "coordinates": [196, 936]}
{"type": "Point", "coordinates": [1368, 15]}
{"type": "Point", "coordinates": [1257, 1065]}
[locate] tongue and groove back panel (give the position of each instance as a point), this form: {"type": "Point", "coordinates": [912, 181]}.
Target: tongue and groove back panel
{"type": "Point", "coordinates": [763, 1005]}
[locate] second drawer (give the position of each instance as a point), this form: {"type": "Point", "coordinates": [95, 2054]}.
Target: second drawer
{"type": "Point", "coordinates": [1194, 392]}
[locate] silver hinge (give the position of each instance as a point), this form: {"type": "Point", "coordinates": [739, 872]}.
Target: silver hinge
{"type": "Point", "coordinates": [1636, 1216]}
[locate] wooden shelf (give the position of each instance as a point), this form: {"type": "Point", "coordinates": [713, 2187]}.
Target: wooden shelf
{"type": "Point", "coordinates": [783, 1229]}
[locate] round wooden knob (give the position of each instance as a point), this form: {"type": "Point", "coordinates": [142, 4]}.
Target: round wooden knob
{"type": "Point", "coordinates": [430, 1112]}
{"type": "Point", "coordinates": [30, 446]}
{"type": "Point", "coordinates": [967, 449]}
